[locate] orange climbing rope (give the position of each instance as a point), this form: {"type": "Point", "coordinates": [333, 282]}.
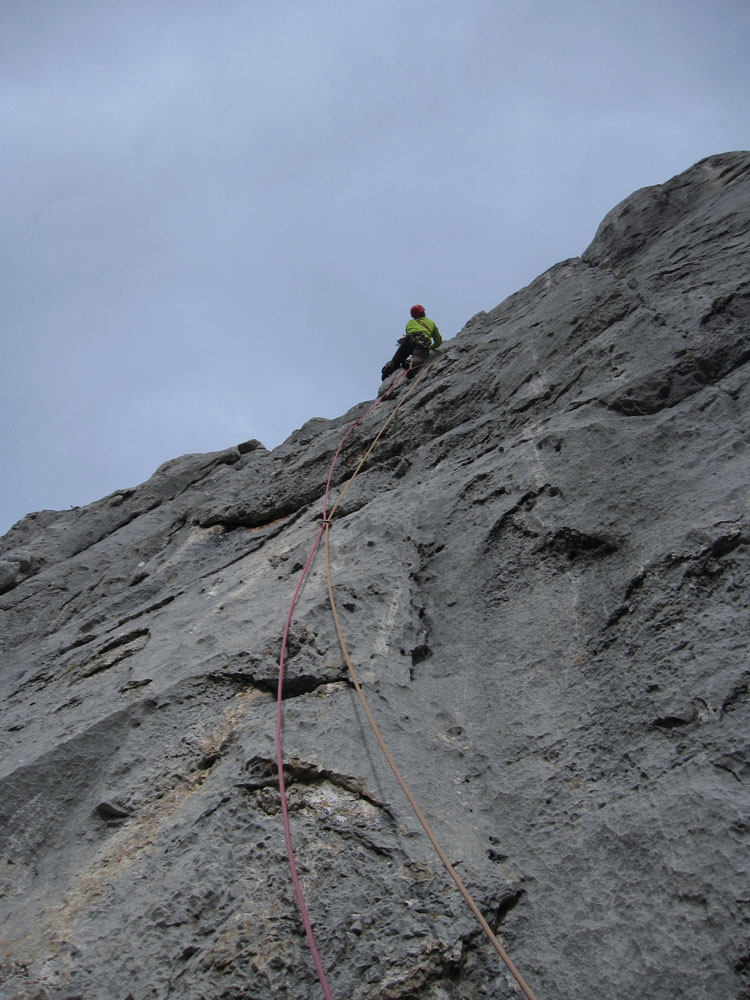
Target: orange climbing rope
{"type": "Point", "coordinates": [327, 522]}
{"type": "Point", "coordinates": [399, 777]}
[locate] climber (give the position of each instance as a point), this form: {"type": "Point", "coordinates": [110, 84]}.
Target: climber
{"type": "Point", "coordinates": [421, 335]}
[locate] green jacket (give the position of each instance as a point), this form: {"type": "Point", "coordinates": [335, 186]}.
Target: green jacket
{"type": "Point", "coordinates": [425, 325]}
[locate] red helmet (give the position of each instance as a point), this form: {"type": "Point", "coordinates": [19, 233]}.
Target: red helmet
{"type": "Point", "coordinates": [417, 311]}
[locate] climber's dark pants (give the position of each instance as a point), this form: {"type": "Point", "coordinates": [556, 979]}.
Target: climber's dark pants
{"type": "Point", "coordinates": [407, 346]}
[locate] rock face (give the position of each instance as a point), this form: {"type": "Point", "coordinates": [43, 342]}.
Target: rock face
{"type": "Point", "coordinates": [542, 573]}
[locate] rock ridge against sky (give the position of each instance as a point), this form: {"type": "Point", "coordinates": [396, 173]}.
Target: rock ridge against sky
{"type": "Point", "coordinates": [543, 580]}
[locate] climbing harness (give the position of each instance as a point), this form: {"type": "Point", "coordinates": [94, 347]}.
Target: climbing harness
{"type": "Point", "coordinates": [326, 524]}
{"type": "Point", "coordinates": [420, 341]}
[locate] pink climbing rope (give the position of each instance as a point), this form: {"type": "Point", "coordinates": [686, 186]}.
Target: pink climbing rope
{"type": "Point", "coordinates": [279, 704]}
{"type": "Point", "coordinates": [282, 786]}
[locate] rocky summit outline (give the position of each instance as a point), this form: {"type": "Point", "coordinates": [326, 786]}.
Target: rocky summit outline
{"type": "Point", "coordinates": [542, 574]}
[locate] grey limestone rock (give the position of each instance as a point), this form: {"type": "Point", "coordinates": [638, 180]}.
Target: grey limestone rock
{"type": "Point", "coordinates": [542, 576]}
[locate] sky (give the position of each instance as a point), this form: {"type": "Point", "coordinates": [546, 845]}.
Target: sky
{"type": "Point", "coordinates": [215, 214]}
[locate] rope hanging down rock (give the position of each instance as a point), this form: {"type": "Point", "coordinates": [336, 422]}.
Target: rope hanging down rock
{"type": "Point", "coordinates": [326, 525]}
{"type": "Point", "coordinates": [312, 944]}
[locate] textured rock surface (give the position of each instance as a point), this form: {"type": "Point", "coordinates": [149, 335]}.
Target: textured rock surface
{"type": "Point", "coordinates": [543, 578]}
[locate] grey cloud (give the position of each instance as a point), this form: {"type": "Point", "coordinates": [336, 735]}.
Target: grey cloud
{"type": "Point", "coordinates": [213, 224]}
